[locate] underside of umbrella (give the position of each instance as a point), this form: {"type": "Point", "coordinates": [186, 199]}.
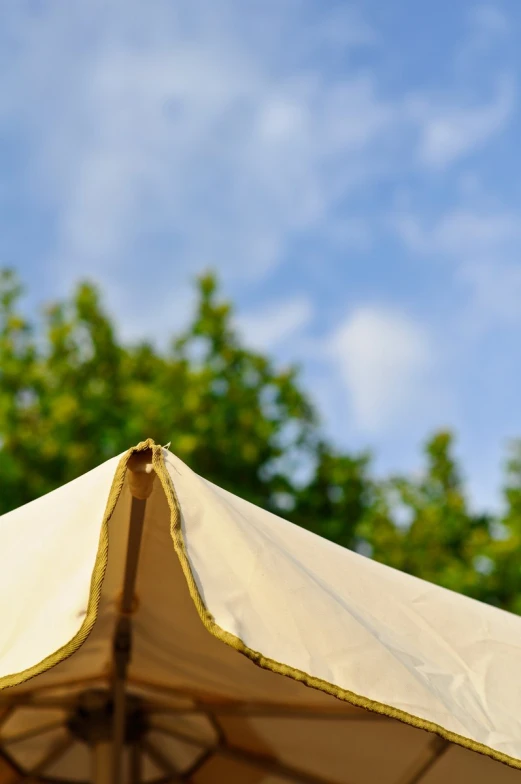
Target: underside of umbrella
{"type": "Point", "coordinates": [155, 628]}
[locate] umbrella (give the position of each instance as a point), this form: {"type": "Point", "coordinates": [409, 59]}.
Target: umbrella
{"type": "Point", "coordinates": [156, 628]}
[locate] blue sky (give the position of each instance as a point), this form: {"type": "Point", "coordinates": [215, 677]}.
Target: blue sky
{"type": "Point", "coordinates": [352, 171]}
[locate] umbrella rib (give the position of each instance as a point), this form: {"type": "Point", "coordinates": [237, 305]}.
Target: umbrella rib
{"type": "Point", "coordinates": [53, 780]}
{"type": "Point", "coordinates": [168, 780]}
{"type": "Point", "coordinates": [144, 683]}
{"type": "Point", "coordinates": [296, 714]}
{"type": "Point", "coordinates": [160, 759]}
{"type": "Point", "coordinates": [57, 751]}
{"type": "Point", "coordinates": [201, 704]}
{"type": "Point", "coordinates": [30, 702]}
{"type": "Point", "coordinates": [269, 764]}
{"type": "Point", "coordinates": [32, 733]}
{"type": "Point", "coordinates": [267, 712]}
{"type": "Point", "coordinates": [206, 751]}
{"type": "Point", "coordinates": [11, 762]}
{"type": "Point", "coordinates": [197, 765]}
{"type": "Point", "coordinates": [5, 714]}
{"type": "Point", "coordinates": [188, 739]}
{"type": "Point", "coordinates": [62, 684]}
{"type": "Point", "coordinates": [440, 747]}
{"type": "Point", "coordinates": [219, 731]}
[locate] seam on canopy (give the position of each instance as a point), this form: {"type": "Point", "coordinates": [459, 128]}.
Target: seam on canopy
{"type": "Point", "coordinates": [98, 575]}
{"type": "Point", "coordinates": [283, 669]}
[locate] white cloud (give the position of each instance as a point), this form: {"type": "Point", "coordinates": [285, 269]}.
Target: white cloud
{"type": "Point", "coordinates": [495, 289]}
{"type": "Point", "coordinates": [488, 24]}
{"type": "Point", "coordinates": [384, 358]}
{"type": "Point", "coordinates": [275, 322]}
{"type": "Point", "coordinates": [455, 124]}
{"type": "Point", "coordinates": [456, 128]}
{"type": "Point", "coordinates": [487, 30]}
{"type": "Point", "coordinates": [461, 234]}
{"type": "Point", "coordinates": [349, 233]}
{"type": "Point", "coordinates": [343, 25]}
{"type": "Point", "coordinates": [483, 248]}
{"type": "Point", "coordinates": [186, 124]}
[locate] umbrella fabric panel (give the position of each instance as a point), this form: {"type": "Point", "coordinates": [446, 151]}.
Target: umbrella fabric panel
{"type": "Point", "coordinates": [242, 562]}
{"type": "Point", "coordinates": [350, 622]}
{"type": "Point", "coordinates": [173, 648]}
{"type": "Point", "coordinates": [48, 550]}
{"type": "Point", "coordinates": [279, 723]}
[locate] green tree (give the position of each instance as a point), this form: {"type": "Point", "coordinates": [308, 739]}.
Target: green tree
{"type": "Point", "coordinates": [502, 551]}
{"type": "Point", "coordinates": [423, 525]}
{"type": "Point", "coordinates": [338, 497]}
{"type": "Point", "coordinates": [71, 396]}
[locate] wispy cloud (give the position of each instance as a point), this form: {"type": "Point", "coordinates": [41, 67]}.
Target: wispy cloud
{"type": "Point", "coordinates": [482, 247]}
{"type": "Point", "coordinates": [455, 128]}
{"type": "Point", "coordinates": [495, 294]}
{"type": "Point", "coordinates": [460, 234]}
{"type": "Point", "coordinates": [275, 322]}
{"type": "Point", "coordinates": [488, 25]}
{"type": "Point", "coordinates": [479, 101]}
{"type": "Point", "coordinates": [208, 137]}
{"type": "Point", "coordinates": [384, 358]}
{"type": "Point", "coordinates": [184, 124]}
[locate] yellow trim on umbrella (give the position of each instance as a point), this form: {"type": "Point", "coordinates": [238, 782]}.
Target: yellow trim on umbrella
{"type": "Point", "coordinates": [210, 624]}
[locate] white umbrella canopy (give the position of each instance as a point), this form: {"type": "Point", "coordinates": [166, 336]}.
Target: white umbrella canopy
{"type": "Point", "coordinates": [156, 628]}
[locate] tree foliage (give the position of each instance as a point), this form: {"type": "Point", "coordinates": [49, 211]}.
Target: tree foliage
{"type": "Point", "coordinates": [72, 395]}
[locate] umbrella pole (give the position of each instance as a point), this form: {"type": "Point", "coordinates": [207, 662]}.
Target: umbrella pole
{"type": "Point", "coordinates": [102, 763]}
{"type": "Point", "coordinates": [141, 477]}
